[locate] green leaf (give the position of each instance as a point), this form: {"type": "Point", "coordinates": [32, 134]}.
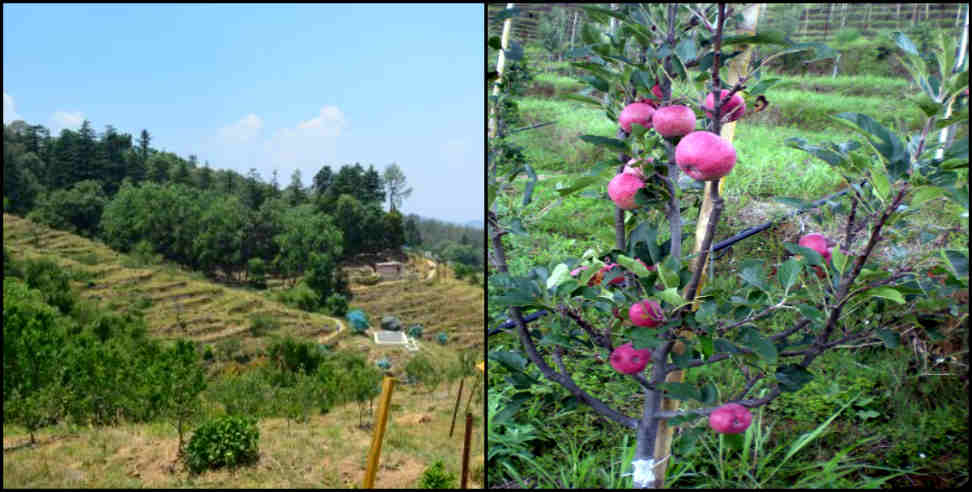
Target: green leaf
{"type": "Point", "coordinates": [754, 275]}
{"type": "Point", "coordinates": [822, 153]}
{"type": "Point", "coordinates": [885, 293]}
{"type": "Point", "coordinates": [891, 339]}
{"type": "Point", "coordinates": [495, 43]}
{"type": "Point", "coordinates": [531, 182]}
{"type": "Point", "coordinates": [686, 49]}
{"type": "Point", "coordinates": [925, 193]}
{"type": "Point", "coordinates": [668, 276]}
{"type": "Point", "coordinates": [788, 273]}
{"type": "Point", "coordinates": [681, 391]}
{"type": "Point", "coordinates": [514, 52]}
{"type": "Point", "coordinates": [560, 274]}
{"type": "Point", "coordinates": [770, 36]}
{"type": "Point", "coordinates": [705, 342]}
{"type": "Point", "coordinates": [507, 13]}
{"type": "Point", "coordinates": [671, 296]}
{"type": "Point", "coordinates": [709, 394]}
{"type": "Point", "coordinates": [490, 195]}
{"type": "Point", "coordinates": [811, 313]}
{"type": "Point", "coordinates": [810, 257]}
{"type": "Point", "coordinates": [583, 99]}
{"type": "Point", "coordinates": [595, 82]}
{"type": "Point", "coordinates": [607, 142]}
{"type": "Point", "coordinates": [926, 104]}
{"type": "Point", "coordinates": [578, 184]}
{"type": "Point", "coordinates": [706, 312]}
{"type": "Point", "coordinates": [723, 345]}
{"type": "Point", "coordinates": [759, 344]}
{"type": "Point", "coordinates": [904, 42]}
{"type": "Point", "coordinates": [882, 188]}
{"type": "Point", "coordinates": [792, 377]}
{"type": "Point", "coordinates": [642, 337]}
{"type": "Point", "coordinates": [839, 260]}
{"type": "Point", "coordinates": [957, 261]}
{"type": "Point", "coordinates": [764, 85]}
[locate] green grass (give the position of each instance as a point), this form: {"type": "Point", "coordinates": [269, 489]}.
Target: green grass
{"type": "Point", "coordinates": [886, 417]}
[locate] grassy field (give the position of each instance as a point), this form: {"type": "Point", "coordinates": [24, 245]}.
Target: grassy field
{"type": "Point", "coordinates": [327, 451]}
{"type": "Point", "coordinates": [330, 450]}
{"type": "Point", "coordinates": [910, 407]}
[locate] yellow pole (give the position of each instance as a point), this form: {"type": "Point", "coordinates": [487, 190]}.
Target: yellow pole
{"type": "Point", "coordinates": [500, 64]}
{"type": "Point", "coordinates": [737, 68]}
{"type": "Point", "coordinates": [378, 436]}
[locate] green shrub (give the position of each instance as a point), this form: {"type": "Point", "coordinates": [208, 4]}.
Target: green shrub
{"type": "Point", "coordinates": [225, 441]}
{"type": "Point", "coordinates": [301, 297]}
{"type": "Point", "coordinates": [420, 369]}
{"type": "Point", "coordinates": [337, 305]}
{"type": "Point", "coordinates": [437, 477]}
{"type": "Point", "coordinates": [847, 35]}
{"type": "Point", "coordinates": [260, 324]}
{"type": "Point", "coordinates": [257, 273]}
{"type": "Point", "coordinates": [208, 353]}
{"type": "Point", "coordinates": [49, 278]}
{"type": "Point", "coordinates": [293, 355]}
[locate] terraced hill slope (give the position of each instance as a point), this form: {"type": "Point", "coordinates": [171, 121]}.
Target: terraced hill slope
{"type": "Point", "coordinates": [175, 302]}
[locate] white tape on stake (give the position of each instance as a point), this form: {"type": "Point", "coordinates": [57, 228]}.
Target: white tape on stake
{"type": "Point", "coordinates": [644, 473]}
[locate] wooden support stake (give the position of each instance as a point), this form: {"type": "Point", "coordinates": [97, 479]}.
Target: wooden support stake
{"type": "Point", "coordinates": [500, 64]}
{"type": "Point", "coordinates": [456, 410]}
{"type": "Point", "coordinates": [465, 451]}
{"type": "Point", "coordinates": [737, 67]}
{"type": "Point", "coordinates": [373, 455]}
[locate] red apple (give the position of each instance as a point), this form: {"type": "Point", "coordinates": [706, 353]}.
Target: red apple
{"type": "Point", "coordinates": [606, 268]}
{"type": "Point", "coordinates": [734, 109]}
{"type": "Point", "coordinates": [636, 112]}
{"type": "Point", "coordinates": [622, 190]}
{"type": "Point", "coordinates": [731, 418]}
{"type": "Point", "coordinates": [646, 313]}
{"type": "Point", "coordinates": [818, 243]}
{"type": "Point", "coordinates": [705, 156]}
{"type": "Point", "coordinates": [626, 360]}
{"type": "Point", "coordinates": [673, 121]}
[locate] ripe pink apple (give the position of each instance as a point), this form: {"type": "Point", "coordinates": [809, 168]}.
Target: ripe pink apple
{"type": "Point", "coordinates": [622, 190]}
{"type": "Point", "coordinates": [626, 360]}
{"type": "Point", "coordinates": [636, 112]}
{"type": "Point", "coordinates": [705, 156]}
{"type": "Point", "coordinates": [606, 268]}
{"type": "Point", "coordinates": [818, 243]}
{"type": "Point", "coordinates": [646, 313]}
{"type": "Point", "coordinates": [731, 418]}
{"type": "Point", "coordinates": [673, 121]}
{"type": "Point", "coordinates": [735, 108]}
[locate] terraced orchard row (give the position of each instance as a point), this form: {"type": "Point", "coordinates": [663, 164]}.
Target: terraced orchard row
{"type": "Point", "coordinates": [441, 304]}
{"type": "Point", "coordinates": [174, 302]}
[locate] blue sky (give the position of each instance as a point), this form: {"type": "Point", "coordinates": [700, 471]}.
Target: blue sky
{"type": "Point", "coordinates": [267, 86]}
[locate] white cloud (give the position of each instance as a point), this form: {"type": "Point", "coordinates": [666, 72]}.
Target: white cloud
{"type": "Point", "coordinates": [330, 123]}
{"type": "Point", "coordinates": [9, 111]}
{"type": "Point", "coordinates": [305, 145]}
{"type": "Point", "coordinates": [63, 119]}
{"type": "Point", "coordinates": [243, 130]}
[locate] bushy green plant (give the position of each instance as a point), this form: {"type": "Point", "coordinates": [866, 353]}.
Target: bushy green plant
{"type": "Point", "coordinates": [293, 355]}
{"type": "Point", "coordinates": [257, 273]}
{"type": "Point", "coordinates": [260, 324]}
{"type": "Point", "coordinates": [436, 476]}
{"type": "Point", "coordinates": [337, 304]}
{"type": "Point", "coordinates": [300, 296]}
{"type": "Point", "coordinates": [420, 368]}
{"type": "Point", "coordinates": [847, 35]}
{"type": "Point", "coordinates": [225, 441]}
{"type": "Point", "coordinates": [54, 282]}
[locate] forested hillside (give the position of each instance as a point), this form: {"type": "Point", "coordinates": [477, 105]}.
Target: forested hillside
{"type": "Point", "coordinates": [231, 227]}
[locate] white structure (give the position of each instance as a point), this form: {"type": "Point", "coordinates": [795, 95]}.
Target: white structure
{"type": "Point", "coordinates": [385, 337]}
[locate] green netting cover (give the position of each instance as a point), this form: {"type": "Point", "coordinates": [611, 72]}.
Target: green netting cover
{"type": "Point", "coordinates": [358, 319]}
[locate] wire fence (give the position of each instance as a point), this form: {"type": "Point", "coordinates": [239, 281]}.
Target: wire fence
{"type": "Point", "coordinates": [802, 21]}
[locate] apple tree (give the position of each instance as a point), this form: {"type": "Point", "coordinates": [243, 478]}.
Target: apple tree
{"type": "Point", "coordinates": [836, 291]}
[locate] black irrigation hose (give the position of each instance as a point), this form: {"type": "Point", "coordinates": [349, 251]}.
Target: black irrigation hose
{"type": "Point", "coordinates": [531, 127]}
{"type": "Point", "coordinates": [718, 246]}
